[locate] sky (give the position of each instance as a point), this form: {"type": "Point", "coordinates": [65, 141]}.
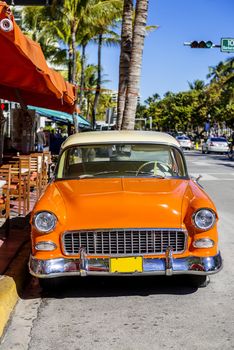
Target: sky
{"type": "Point", "coordinates": [167, 64]}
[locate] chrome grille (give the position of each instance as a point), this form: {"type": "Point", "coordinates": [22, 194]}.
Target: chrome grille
{"type": "Point", "coordinates": [124, 242]}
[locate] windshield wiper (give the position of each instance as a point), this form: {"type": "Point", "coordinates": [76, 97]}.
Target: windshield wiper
{"type": "Point", "coordinates": [152, 175]}
{"type": "Point", "coordinates": [107, 172]}
{"type": "Point", "coordinates": [84, 176]}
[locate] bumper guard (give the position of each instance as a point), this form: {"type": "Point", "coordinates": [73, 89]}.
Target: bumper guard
{"type": "Point", "coordinates": [84, 266]}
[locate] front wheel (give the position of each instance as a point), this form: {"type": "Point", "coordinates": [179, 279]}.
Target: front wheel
{"type": "Point", "coordinates": [49, 284]}
{"type": "Point", "coordinates": [199, 281]}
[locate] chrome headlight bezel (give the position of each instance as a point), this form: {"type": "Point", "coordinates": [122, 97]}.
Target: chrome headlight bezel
{"type": "Point", "coordinates": [52, 225]}
{"type": "Point", "coordinates": [195, 219]}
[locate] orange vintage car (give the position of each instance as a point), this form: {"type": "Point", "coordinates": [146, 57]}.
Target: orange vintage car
{"type": "Point", "coordinates": [122, 203]}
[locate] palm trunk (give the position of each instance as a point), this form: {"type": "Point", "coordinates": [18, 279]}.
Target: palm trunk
{"type": "Point", "coordinates": [88, 108]}
{"type": "Point", "coordinates": [70, 64]}
{"type": "Point", "coordinates": [98, 87]}
{"type": "Point", "coordinates": [135, 65]}
{"type": "Point", "coordinates": [125, 56]}
{"type": "Point", "coordinates": [73, 37]}
{"type": "Point", "coordinates": [82, 78]}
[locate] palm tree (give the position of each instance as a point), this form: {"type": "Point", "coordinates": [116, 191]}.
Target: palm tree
{"type": "Point", "coordinates": [33, 25]}
{"type": "Point", "coordinates": [223, 76]}
{"type": "Point", "coordinates": [104, 14]}
{"type": "Point", "coordinates": [107, 38]}
{"type": "Point", "coordinates": [64, 24]}
{"type": "Point", "coordinates": [77, 21]}
{"type": "Point", "coordinates": [74, 23]}
{"type": "Point", "coordinates": [152, 99]}
{"type": "Point", "coordinates": [135, 64]}
{"type": "Point", "coordinates": [216, 72]}
{"type": "Point", "coordinates": [197, 85]}
{"type": "Point", "coordinates": [89, 86]}
{"type": "Point", "coordinates": [125, 56]}
{"type": "Point", "coordinates": [85, 34]}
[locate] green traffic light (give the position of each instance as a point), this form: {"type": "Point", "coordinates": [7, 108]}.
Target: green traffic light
{"type": "Point", "coordinates": [209, 44]}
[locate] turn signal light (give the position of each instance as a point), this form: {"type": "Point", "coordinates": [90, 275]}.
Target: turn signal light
{"type": "Point", "coordinates": [45, 246]}
{"type": "Point", "coordinates": [203, 243]}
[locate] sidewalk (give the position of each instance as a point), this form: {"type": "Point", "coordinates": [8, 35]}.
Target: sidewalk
{"type": "Point", "coordinates": [14, 254]}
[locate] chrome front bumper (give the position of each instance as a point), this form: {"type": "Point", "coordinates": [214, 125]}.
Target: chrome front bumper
{"type": "Point", "coordinates": [100, 267]}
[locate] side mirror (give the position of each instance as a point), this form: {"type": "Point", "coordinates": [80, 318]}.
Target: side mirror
{"type": "Point", "coordinates": [196, 179]}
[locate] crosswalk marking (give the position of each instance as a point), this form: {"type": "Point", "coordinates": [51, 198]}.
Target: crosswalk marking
{"type": "Point", "coordinates": [202, 163]}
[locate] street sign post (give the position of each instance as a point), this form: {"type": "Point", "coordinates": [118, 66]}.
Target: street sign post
{"type": "Point", "coordinates": [227, 45]}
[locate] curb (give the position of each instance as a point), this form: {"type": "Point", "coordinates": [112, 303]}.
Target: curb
{"type": "Point", "coordinates": [12, 283]}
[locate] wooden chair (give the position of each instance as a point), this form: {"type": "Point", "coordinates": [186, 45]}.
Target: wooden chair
{"type": "Point", "coordinates": [36, 161]}
{"type": "Point", "coordinates": [18, 186]}
{"type": "Point", "coordinates": [5, 179]}
{"type": "Point", "coordinates": [24, 162]}
{"type": "Point", "coordinates": [46, 163]}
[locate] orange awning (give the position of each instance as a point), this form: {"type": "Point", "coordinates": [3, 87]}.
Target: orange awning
{"type": "Point", "coordinates": [24, 74]}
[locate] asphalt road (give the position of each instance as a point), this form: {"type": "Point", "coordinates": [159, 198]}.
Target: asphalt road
{"type": "Point", "coordinates": [139, 313]}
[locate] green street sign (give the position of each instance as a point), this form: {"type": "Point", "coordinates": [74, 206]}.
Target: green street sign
{"type": "Point", "coordinates": [227, 44]}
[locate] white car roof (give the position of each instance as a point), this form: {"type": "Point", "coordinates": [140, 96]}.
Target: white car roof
{"type": "Point", "coordinates": [132, 136]}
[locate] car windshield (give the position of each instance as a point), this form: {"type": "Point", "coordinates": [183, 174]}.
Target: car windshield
{"type": "Point", "coordinates": [218, 139]}
{"type": "Point", "coordinates": [118, 160]}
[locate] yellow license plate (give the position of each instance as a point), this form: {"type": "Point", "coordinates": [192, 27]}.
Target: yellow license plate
{"type": "Point", "coordinates": [126, 265]}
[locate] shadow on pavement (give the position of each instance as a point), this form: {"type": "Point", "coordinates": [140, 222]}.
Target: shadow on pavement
{"type": "Point", "coordinates": [14, 252]}
{"type": "Point", "coordinates": [102, 287]}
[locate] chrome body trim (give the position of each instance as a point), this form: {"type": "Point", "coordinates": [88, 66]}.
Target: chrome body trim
{"type": "Point", "coordinates": [169, 261]}
{"type": "Point", "coordinates": [100, 266]}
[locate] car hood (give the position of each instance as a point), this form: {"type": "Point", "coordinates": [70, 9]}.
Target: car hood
{"type": "Point", "coordinates": [119, 203]}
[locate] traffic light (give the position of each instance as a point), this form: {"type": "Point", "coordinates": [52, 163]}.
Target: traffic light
{"type": "Point", "coordinates": [201, 44]}
{"type": "Point", "coordinates": [4, 106]}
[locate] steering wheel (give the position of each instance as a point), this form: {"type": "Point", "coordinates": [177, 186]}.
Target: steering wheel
{"type": "Point", "coordinates": [157, 165]}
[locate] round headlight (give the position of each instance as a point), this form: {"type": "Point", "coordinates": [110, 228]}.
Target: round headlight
{"type": "Point", "coordinates": [204, 219]}
{"type": "Point", "coordinates": [45, 221]}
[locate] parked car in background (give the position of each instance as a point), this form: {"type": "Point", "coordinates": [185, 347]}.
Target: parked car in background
{"type": "Point", "coordinates": [122, 203]}
{"type": "Point", "coordinates": [185, 142]}
{"type": "Point", "coordinates": [216, 145]}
